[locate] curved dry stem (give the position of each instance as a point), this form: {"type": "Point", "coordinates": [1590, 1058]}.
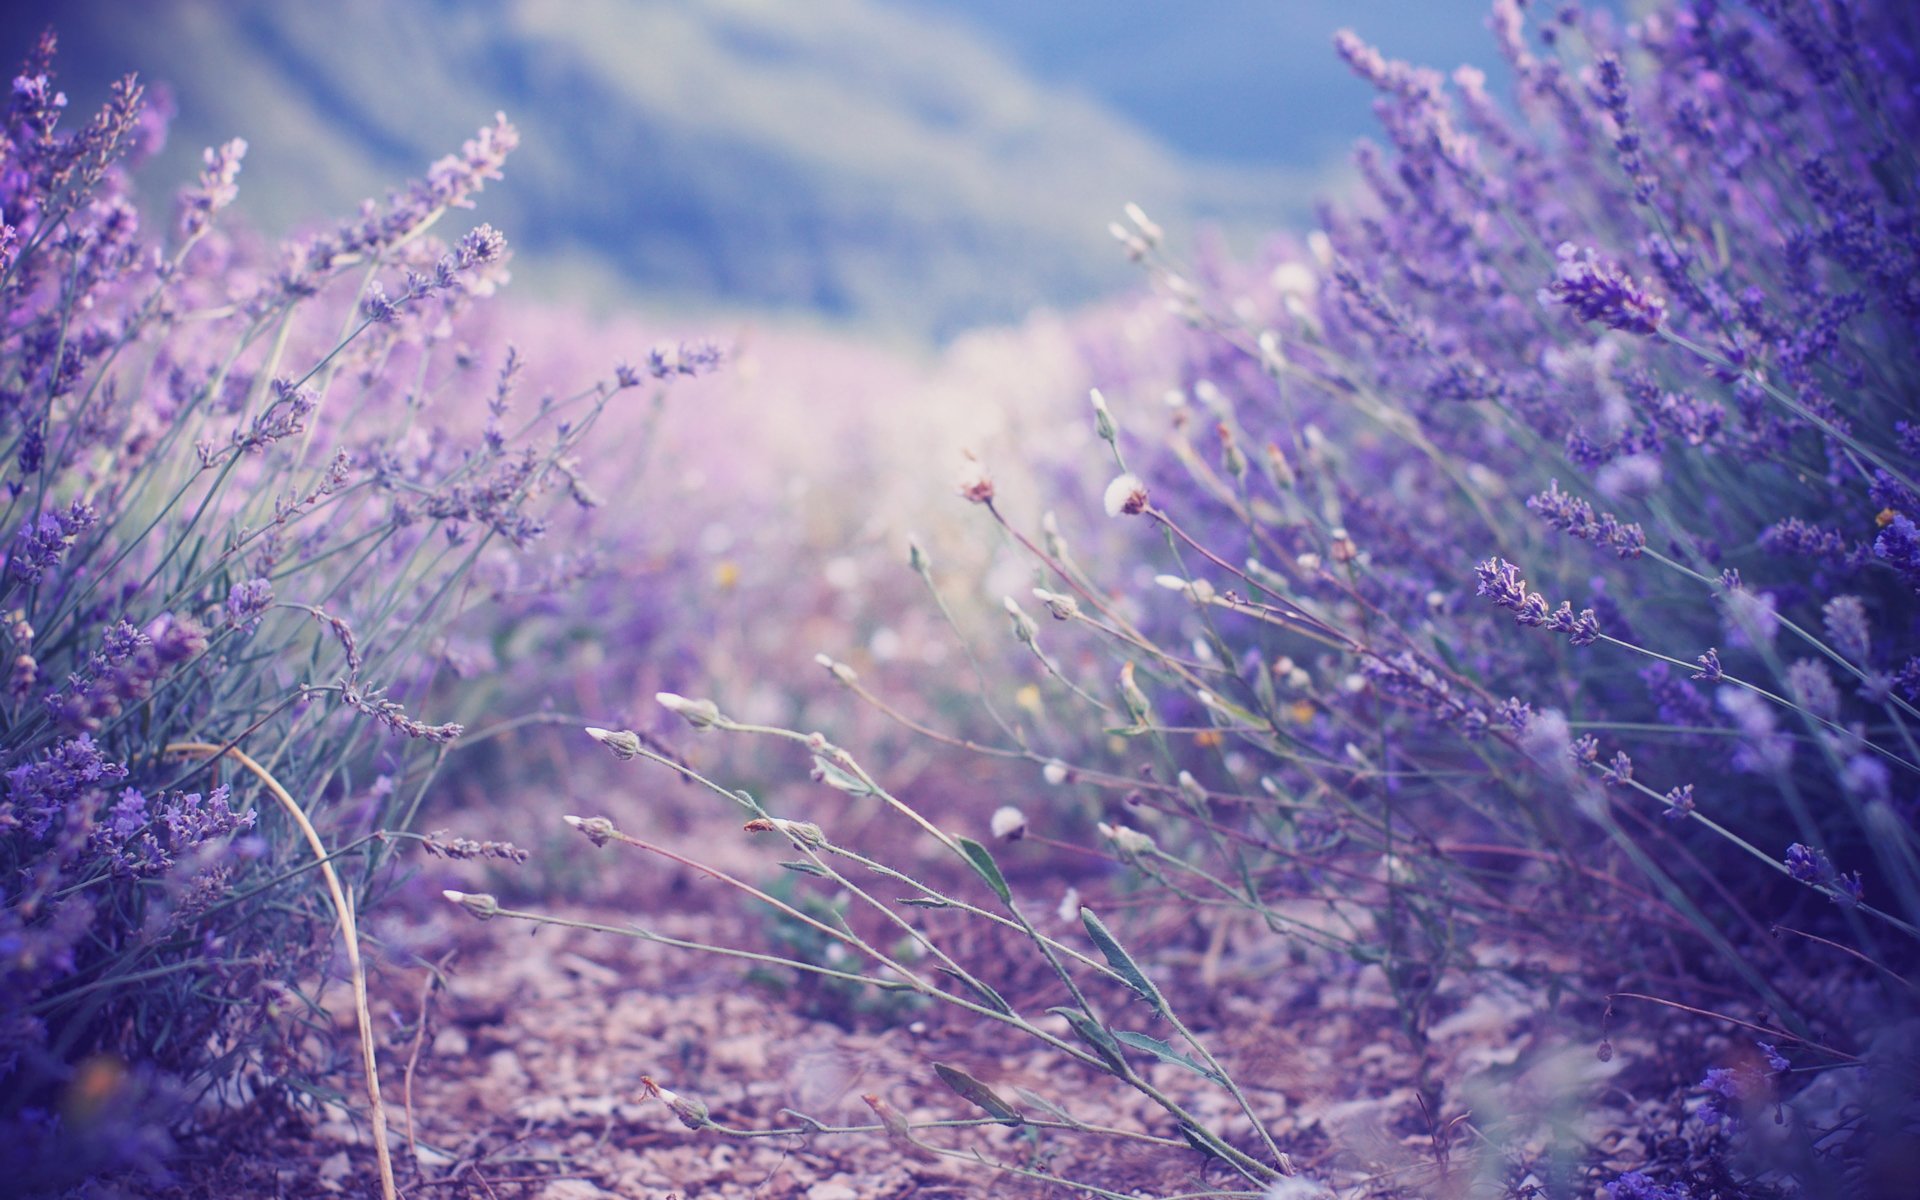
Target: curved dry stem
{"type": "Point", "coordinates": [343, 907]}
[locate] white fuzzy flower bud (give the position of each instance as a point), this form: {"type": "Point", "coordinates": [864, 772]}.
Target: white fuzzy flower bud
{"type": "Point", "coordinates": [1129, 842]}
{"type": "Point", "coordinates": [701, 714]}
{"type": "Point", "coordinates": [1102, 419]}
{"type": "Point", "coordinates": [1008, 823]}
{"type": "Point", "coordinates": [839, 670]}
{"type": "Point", "coordinates": [623, 744]}
{"type": "Point", "coordinates": [1126, 494]}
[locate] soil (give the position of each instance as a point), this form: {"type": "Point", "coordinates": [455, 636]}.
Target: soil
{"type": "Point", "coordinates": [517, 1068]}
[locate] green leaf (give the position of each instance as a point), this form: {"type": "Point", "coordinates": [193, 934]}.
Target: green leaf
{"type": "Point", "coordinates": [1193, 1139]}
{"type": "Point", "coordinates": [980, 989]}
{"type": "Point", "coordinates": [805, 868]}
{"type": "Point", "coordinates": [978, 1094]}
{"type": "Point", "coordinates": [925, 902]}
{"type": "Point", "coordinates": [1166, 1053]}
{"type": "Point", "coordinates": [988, 870]}
{"type": "Point", "coordinates": [1093, 1034]}
{"type": "Point", "coordinates": [1121, 961]}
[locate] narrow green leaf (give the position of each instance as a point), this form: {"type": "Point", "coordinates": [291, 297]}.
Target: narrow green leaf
{"type": "Point", "coordinates": [988, 869]}
{"type": "Point", "coordinates": [1093, 1034]}
{"type": "Point", "coordinates": [1193, 1139]}
{"type": "Point", "coordinates": [978, 1094]}
{"type": "Point", "coordinates": [983, 991]}
{"type": "Point", "coordinates": [1165, 1052]}
{"type": "Point", "coordinates": [925, 902]}
{"type": "Point", "coordinates": [804, 868]}
{"type": "Point", "coordinates": [1121, 961]}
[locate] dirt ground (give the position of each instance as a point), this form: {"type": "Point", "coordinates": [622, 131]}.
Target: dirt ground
{"type": "Point", "coordinates": [522, 1077]}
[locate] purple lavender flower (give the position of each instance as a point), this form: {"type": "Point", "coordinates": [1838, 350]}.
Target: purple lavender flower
{"type": "Point", "coordinates": [1845, 619]}
{"type": "Point", "coordinates": [246, 601]}
{"type": "Point", "coordinates": [1602, 293]}
{"type": "Point", "coordinates": [1899, 547]}
{"type": "Point", "coordinates": [39, 546]}
{"type": "Point", "coordinates": [1635, 1186]}
{"type": "Point", "coordinates": [1811, 866]}
{"type": "Point", "coordinates": [40, 790]}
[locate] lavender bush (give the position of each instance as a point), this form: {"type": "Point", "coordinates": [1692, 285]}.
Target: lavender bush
{"type": "Point", "coordinates": [1525, 599]}
{"type": "Point", "coordinates": [247, 491]}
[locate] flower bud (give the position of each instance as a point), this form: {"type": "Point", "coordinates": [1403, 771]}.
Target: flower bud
{"type": "Point", "coordinates": [599, 830]}
{"type": "Point", "coordinates": [839, 670]}
{"type": "Point", "coordinates": [701, 714]}
{"type": "Point", "coordinates": [478, 903]}
{"type": "Point", "coordinates": [1129, 842]}
{"type": "Point", "coordinates": [623, 744]}
{"type": "Point", "coordinates": [691, 1112]}
{"type": "Point", "coordinates": [1102, 419]}
{"type": "Point", "coordinates": [1023, 628]}
{"type": "Point", "coordinates": [1063, 608]}
{"type": "Point", "coordinates": [1008, 823]}
{"type": "Point", "coordinates": [1149, 231]}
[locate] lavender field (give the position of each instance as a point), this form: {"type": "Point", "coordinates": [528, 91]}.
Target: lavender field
{"type": "Point", "coordinates": [980, 620]}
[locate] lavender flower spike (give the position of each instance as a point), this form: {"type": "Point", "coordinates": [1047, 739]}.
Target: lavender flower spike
{"type": "Point", "coordinates": [1606, 294]}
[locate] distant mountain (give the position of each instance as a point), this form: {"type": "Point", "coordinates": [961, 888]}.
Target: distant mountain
{"type": "Point", "coordinates": [922, 165]}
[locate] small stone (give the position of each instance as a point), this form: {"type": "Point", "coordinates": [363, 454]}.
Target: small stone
{"type": "Point", "coordinates": [450, 1043]}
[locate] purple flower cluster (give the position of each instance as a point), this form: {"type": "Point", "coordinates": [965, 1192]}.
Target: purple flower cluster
{"type": "Point", "coordinates": [1500, 581]}
{"type": "Point", "coordinates": [1603, 293]}
{"type": "Point", "coordinates": [1812, 867]}
{"type": "Point", "coordinates": [39, 546]}
{"type": "Point", "coordinates": [1572, 515]}
{"type": "Point", "coordinates": [138, 838]}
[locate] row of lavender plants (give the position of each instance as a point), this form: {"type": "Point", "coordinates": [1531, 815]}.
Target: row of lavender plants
{"type": "Point", "coordinates": [1513, 581]}
{"type": "Point", "coordinates": [248, 491]}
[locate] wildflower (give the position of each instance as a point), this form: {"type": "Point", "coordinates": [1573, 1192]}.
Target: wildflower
{"type": "Point", "coordinates": [1125, 495]}
{"type": "Point", "coordinates": [1709, 671]}
{"type": "Point", "coordinates": [1024, 630]}
{"type": "Point", "coordinates": [1129, 842]}
{"type": "Point", "coordinates": [1102, 419]}
{"type": "Point", "coordinates": [622, 744]}
{"type": "Point", "coordinates": [1602, 293]}
{"type": "Point", "coordinates": [1812, 867]}
{"type": "Point", "coordinates": [1679, 802]}
{"type": "Point", "coordinates": [598, 830]}
{"type": "Point", "coordinates": [480, 904]}
{"type": "Point", "coordinates": [462, 849]}
{"type": "Point", "coordinates": [1845, 619]}
{"type": "Point", "coordinates": [701, 714]}
{"type": "Point", "coordinates": [1008, 823]}
{"type": "Point", "coordinates": [804, 835]}
{"type": "Point", "coordinates": [1899, 547]}
{"type": "Point", "coordinates": [39, 546]}
{"type": "Point", "coordinates": [1061, 607]}
{"type": "Point", "coordinates": [246, 601]}
{"type": "Point", "coordinates": [976, 485]}
{"type": "Point", "coordinates": [691, 1113]}
{"type": "Point", "coordinates": [1635, 1186]}
{"type": "Point", "coordinates": [843, 673]}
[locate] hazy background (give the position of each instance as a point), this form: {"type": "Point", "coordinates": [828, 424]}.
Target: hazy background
{"type": "Point", "coordinates": [911, 168]}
